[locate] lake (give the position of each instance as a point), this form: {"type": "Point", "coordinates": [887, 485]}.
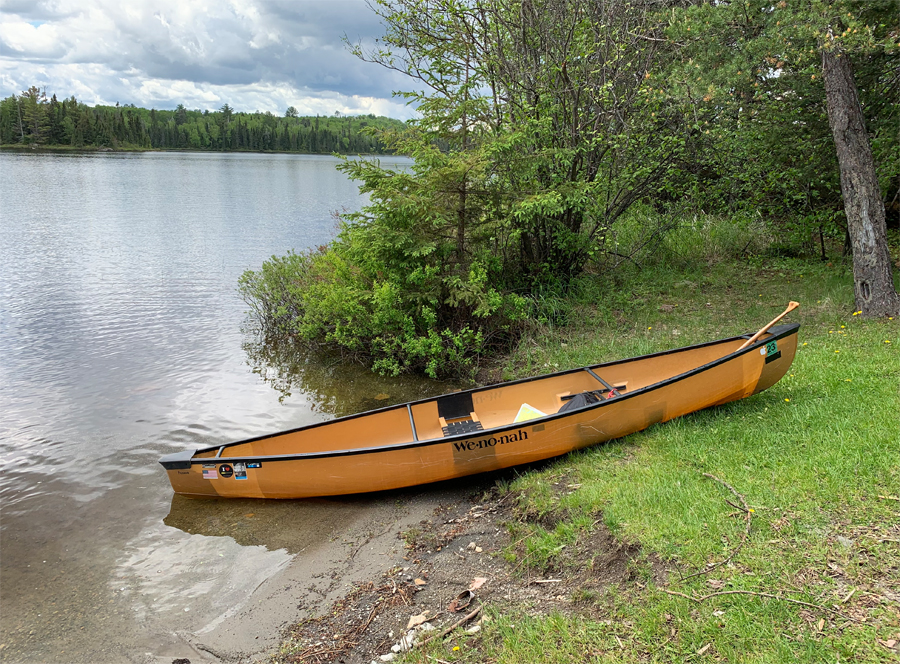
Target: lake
{"type": "Point", "coordinates": [123, 338]}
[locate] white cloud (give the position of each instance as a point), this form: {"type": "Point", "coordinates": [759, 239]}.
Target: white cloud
{"type": "Point", "coordinates": [41, 40]}
{"type": "Point", "coordinates": [251, 54]}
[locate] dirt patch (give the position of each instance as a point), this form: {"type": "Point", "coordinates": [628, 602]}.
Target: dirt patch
{"type": "Point", "coordinates": [453, 564]}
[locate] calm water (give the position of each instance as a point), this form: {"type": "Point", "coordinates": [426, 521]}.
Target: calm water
{"type": "Point", "coordinates": [121, 340]}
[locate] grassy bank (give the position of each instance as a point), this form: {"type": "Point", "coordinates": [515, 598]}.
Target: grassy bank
{"type": "Point", "coordinates": [777, 517]}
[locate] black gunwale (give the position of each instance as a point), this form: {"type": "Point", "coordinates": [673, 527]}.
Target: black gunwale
{"type": "Point", "coordinates": [778, 332]}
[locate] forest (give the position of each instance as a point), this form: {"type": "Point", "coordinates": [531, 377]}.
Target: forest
{"type": "Point", "coordinates": [32, 119]}
{"type": "Point", "coordinates": [561, 142]}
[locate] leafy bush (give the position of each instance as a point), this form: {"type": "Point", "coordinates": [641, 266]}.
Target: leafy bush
{"type": "Point", "coordinates": [397, 315]}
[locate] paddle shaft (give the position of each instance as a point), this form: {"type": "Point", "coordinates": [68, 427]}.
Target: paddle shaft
{"type": "Point", "coordinates": [791, 306]}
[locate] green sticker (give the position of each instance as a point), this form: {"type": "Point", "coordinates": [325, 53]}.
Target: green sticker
{"type": "Point", "coordinates": [771, 348]}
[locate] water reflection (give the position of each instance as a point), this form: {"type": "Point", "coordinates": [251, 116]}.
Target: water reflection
{"type": "Point", "coordinates": [293, 526]}
{"type": "Point", "coordinates": [332, 386]}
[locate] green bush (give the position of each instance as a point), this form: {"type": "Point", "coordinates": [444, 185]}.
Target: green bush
{"type": "Point", "coordinates": [409, 319]}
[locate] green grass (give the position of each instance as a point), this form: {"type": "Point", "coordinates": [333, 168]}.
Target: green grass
{"type": "Point", "coordinates": [817, 457]}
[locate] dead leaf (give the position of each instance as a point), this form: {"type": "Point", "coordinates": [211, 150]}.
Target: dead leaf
{"type": "Point", "coordinates": [715, 583]}
{"type": "Point", "coordinates": [704, 648]}
{"type": "Point", "coordinates": [477, 582]}
{"type": "Point", "coordinates": [890, 643]}
{"type": "Point", "coordinates": [417, 620]}
{"type": "Point", "coordinates": [420, 582]}
{"type": "Point", "coordinates": [820, 625]}
{"type": "Point", "coordinates": [382, 396]}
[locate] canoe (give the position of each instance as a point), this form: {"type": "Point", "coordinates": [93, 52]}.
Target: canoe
{"type": "Point", "coordinates": [487, 428]}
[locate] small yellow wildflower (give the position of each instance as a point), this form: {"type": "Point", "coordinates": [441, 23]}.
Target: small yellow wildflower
{"type": "Point", "coordinates": [837, 351]}
{"type": "Point", "coordinates": [804, 343]}
{"type": "Point", "coordinates": [887, 341]}
{"type": "Point", "coordinates": [848, 380]}
{"type": "Point", "coordinates": [650, 328]}
{"type": "Point", "coordinates": [787, 399]}
{"type": "Point", "coordinates": [843, 326]}
{"type": "Point", "coordinates": [752, 510]}
{"type": "Point", "coordinates": [456, 647]}
{"type": "Point", "coordinates": [857, 313]}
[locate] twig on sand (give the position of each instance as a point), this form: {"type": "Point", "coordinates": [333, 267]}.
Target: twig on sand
{"type": "Point", "coordinates": [745, 508]}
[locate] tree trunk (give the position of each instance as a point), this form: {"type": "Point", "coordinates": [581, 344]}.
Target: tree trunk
{"type": "Point", "coordinates": [873, 281]}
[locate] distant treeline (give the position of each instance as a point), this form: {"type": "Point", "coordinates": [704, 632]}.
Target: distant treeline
{"type": "Point", "coordinates": [34, 120]}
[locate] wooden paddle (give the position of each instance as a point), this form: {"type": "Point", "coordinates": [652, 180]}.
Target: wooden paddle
{"type": "Point", "coordinates": [791, 306]}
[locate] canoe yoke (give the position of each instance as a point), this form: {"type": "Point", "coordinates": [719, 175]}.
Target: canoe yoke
{"type": "Point", "coordinates": [457, 414]}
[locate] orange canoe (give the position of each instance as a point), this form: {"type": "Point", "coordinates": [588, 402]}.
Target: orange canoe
{"type": "Point", "coordinates": [486, 428]}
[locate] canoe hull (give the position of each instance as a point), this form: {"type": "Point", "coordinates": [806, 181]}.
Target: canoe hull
{"type": "Point", "coordinates": [233, 471]}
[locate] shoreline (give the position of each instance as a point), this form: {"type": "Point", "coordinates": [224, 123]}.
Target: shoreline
{"type": "Point", "coordinates": [92, 149]}
{"type": "Point", "coordinates": [314, 581]}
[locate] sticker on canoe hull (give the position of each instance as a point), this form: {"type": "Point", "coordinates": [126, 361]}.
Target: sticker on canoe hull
{"type": "Point", "coordinates": [210, 474]}
{"type": "Point", "coordinates": [240, 471]}
{"type": "Point", "coordinates": [225, 470]}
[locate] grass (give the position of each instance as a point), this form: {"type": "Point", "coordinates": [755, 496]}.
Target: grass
{"type": "Point", "coordinates": [817, 458]}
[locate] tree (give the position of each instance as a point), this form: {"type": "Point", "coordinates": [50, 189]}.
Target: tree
{"type": "Point", "coordinates": [291, 112]}
{"type": "Point", "coordinates": [873, 278]}
{"type": "Point", "coordinates": [755, 54]}
{"type": "Point", "coordinates": [555, 93]}
{"type": "Point", "coordinates": [35, 121]}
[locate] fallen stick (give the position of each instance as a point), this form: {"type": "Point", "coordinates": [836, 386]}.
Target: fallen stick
{"type": "Point", "coordinates": [459, 622]}
{"type": "Point", "coordinates": [746, 535]}
{"type": "Point", "coordinates": [703, 598]}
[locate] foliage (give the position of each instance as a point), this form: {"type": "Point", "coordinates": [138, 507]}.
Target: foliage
{"type": "Point", "coordinates": [379, 299]}
{"type": "Point", "coordinates": [553, 94]}
{"type": "Point", "coordinates": [32, 119]}
{"type": "Point", "coordinates": [753, 71]}
{"type": "Point", "coordinates": [534, 137]}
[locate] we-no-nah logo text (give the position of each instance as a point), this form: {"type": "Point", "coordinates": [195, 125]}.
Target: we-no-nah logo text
{"type": "Point", "coordinates": [470, 445]}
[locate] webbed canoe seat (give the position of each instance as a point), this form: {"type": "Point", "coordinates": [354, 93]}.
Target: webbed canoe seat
{"type": "Point", "coordinates": [457, 414]}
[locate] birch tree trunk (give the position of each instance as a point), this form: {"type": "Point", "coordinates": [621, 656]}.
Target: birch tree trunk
{"type": "Point", "coordinates": [873, 281]}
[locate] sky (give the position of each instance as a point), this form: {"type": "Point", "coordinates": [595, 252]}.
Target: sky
{"type": "Point", "coordinates": [254, 55]}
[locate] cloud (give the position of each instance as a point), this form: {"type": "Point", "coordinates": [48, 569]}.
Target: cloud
{"type": "Point", "coordinates": [252, 54]}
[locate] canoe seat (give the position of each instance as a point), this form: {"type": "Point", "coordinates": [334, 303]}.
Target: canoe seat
{"type": "Point", "coordinates": [460, 426]}
{"type": "Point", "coordinates": [456, 414]}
